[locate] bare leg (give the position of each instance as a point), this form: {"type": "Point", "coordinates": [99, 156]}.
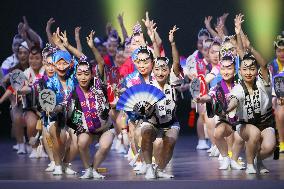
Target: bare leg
{"type": "Point", "coordinates": [268, 143]}
{"type": "Point", "coordinates": [250, 134]}
{"type": "Point", "coordinates": [73, 148]}
{"type": "Point", "coordinates": [237, 146]}
{"type": "Point", "coordinates": [148, 137]}
{"type": "Point", "coordinates": [84, 142]}
{"type": "Point", "coordinates": [105, 144]}
{"type": "Point", "coordinates": [58, 137]}
{"type": "Point", "coordinates": [221, 131]}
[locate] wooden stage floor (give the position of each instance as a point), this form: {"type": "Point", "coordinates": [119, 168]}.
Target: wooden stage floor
{"type": "Point", "coordinates": [192, 169]}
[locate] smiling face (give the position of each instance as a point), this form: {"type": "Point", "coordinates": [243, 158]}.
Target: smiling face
{"type": "Point", "coordinates": [144, 64]}
{"type": "Point", "coordinates": [84, 75]}
{"type": "Point", "coordinates": [48, 66]}
{"type": "Point", "coordinates": [35, 61]}
{"type": "Point", "coordinates": [161, 71]}
{"type": "Point", "coordinates": [62, 67]}
{"type": "Point", "coordinates": [227, 70]}
{"type": "Point", "coordinates": [248, 70]}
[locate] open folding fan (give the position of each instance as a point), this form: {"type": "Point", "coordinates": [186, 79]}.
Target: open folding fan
{"type": "Point", "coordinates": [279, 85]}
{"type": "Point", "coordinates": [140, 99]}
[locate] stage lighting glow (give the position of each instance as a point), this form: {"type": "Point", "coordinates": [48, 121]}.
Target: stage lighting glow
{"type": "Point", "coordinates": [133, 12]}
{"type": "Point", "coordinates": [263, 21]}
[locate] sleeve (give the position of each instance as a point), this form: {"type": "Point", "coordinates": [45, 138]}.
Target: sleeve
{"type": "Point", "coordinates": [173, 78]}
{"type": "Point", "coordinates": [238, 92]}
{"type": "Point", "coordinates": [190, 65]}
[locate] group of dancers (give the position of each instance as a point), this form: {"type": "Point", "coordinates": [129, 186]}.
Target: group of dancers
{"type": "Point", "coordinates": [67, 101]}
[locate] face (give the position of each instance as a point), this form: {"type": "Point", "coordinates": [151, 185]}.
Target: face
{"type": "Point", "coordinates": [214, 54]}
{"type": "Point", "coordinates": [61, 67]}
{"type": "Point", "coordinates": [161, 72]}
{"type": "Point", "coordinates": [227, 70]}
{"type": "Point", "coordinates": [48, 66]}
{"type": "Point", "coordinates": [136, 42]}
{"type": "Point", "coordinates": [229, 46]}
{"type": "Point", "coordinates": [200, 42]}
{"type": "Point", "coordinates": [23, 55]}
{"type": "Point", "coordinates": [35, 61]}
{"type": "Point", "coordinates": [111, 47]}
{"type": "Point", "coordinates": [248, 71]}
{"type": "Point", "coordinates": [144, 64]}
{"type": "Point", "coordinates": [119, 57]}
{"type": "Point", "coordinates": [83, 75]}
{"type": "Point", "coordinates": [102, 50]}
{"type": "Point", "coordinates": [280, 54]}
{"type": "Point", "coordinates": [205, 50]}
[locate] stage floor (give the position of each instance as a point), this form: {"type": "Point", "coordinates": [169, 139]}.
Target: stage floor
{"type": "Point", "coordinates": [192, 169]}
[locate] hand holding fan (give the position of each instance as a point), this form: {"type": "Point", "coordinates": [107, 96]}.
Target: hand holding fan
{"type": "Point", "coordinates": [279, 85]}
{"type": "Point", "coordinates": [195, 88]}
{"type": "Point", "coordinates": [140, 99]}
{"type": "Point", "coordinates": [17, 80]}
{"type": "Point", "coordinates": [47, 101]}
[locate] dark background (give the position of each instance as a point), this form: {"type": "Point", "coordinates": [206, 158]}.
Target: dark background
{"type": "Point", "coordinates": [89, 14]}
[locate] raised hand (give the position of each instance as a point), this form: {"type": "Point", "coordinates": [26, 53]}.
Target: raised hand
{"type": "Point", "coordinates": [207, 21]}
{"type": "Point", "coordinates": [49, 23]}
{"type": "Point", "coordinates": [120, 18]}
{"type": "Point", "coordinates": [64, 39]}
{"type": "Point", "coordinates": [147, 21]}
{"type": "Point", "coordinates": [171, 34]}
{"type": "Point", "coordinates": [56, 39]}
{"type": "Point", "coordinates": [108, 28]}
{"type": "Point", "coordinates": [26, 24]}
{"type": "Point", "coordinates": [90, 40]}
{"type": "Point", "coordinates": [77, 32]}
{"type": "Point", "coordinates": [152, 31]}
{"type": "Point", "coordinates": [246, 42]}
{"type": "Point", "coordinates": [238, 23]}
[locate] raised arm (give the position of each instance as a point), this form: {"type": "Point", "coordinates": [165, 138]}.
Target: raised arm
{"type": "Point", "coordinates": [98, 57]}
{"type": "Point", "coordinates": [48, 31]}
{"type": "Point", "coordinates": [207, 22]}
{"type": "Point", "coordinates": [148, 24]}
{"type": "Point", "coordinates": [57, 41]}
{"type": "Point", "coordinates": [223, 19]}
{"type": "Point", "coordinates": [121, 23]}
{"type": "Point", "coordinates": [175, 54]}
{"type": "Point", "coordinates": [77, 39]}
{"type": "Point", "coordinates": [69, 47]}
{"type": "Point", "coordinates": [238, 28]}
{"type": "Point", "coordinates": [153, 39]}
{"type": "Point", "coordinates": [32, 35]}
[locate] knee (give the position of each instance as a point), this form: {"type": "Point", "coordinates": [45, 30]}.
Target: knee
{"type": "Point", "coordinates": [147, 132]}
{"type": "Point", "coordinates": [255, 137]}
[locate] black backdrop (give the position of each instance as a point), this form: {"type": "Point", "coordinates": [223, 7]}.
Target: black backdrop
{"type": "Point", "coordinates": [187, 15]}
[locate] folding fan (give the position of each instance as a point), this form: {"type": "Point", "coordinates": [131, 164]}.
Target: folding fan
{"type": "Point", "coordinates": [195, 88]}
{"type": "Point", "coordinates": [140, 99]}
{"type": "Point", "coordinates": [279, 85]}
{"type": "Point", "coordinates": [17, 79]}
{"type": "Point", "coordinates": [47, 100]}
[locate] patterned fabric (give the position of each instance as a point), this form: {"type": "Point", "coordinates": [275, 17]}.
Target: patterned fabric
{"type": "Point", "coordinates": [88, 105]}
{"type": "Point", "coordinates": [87, 115]}
{"type": "Point", "coordinates": [255, 108]}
